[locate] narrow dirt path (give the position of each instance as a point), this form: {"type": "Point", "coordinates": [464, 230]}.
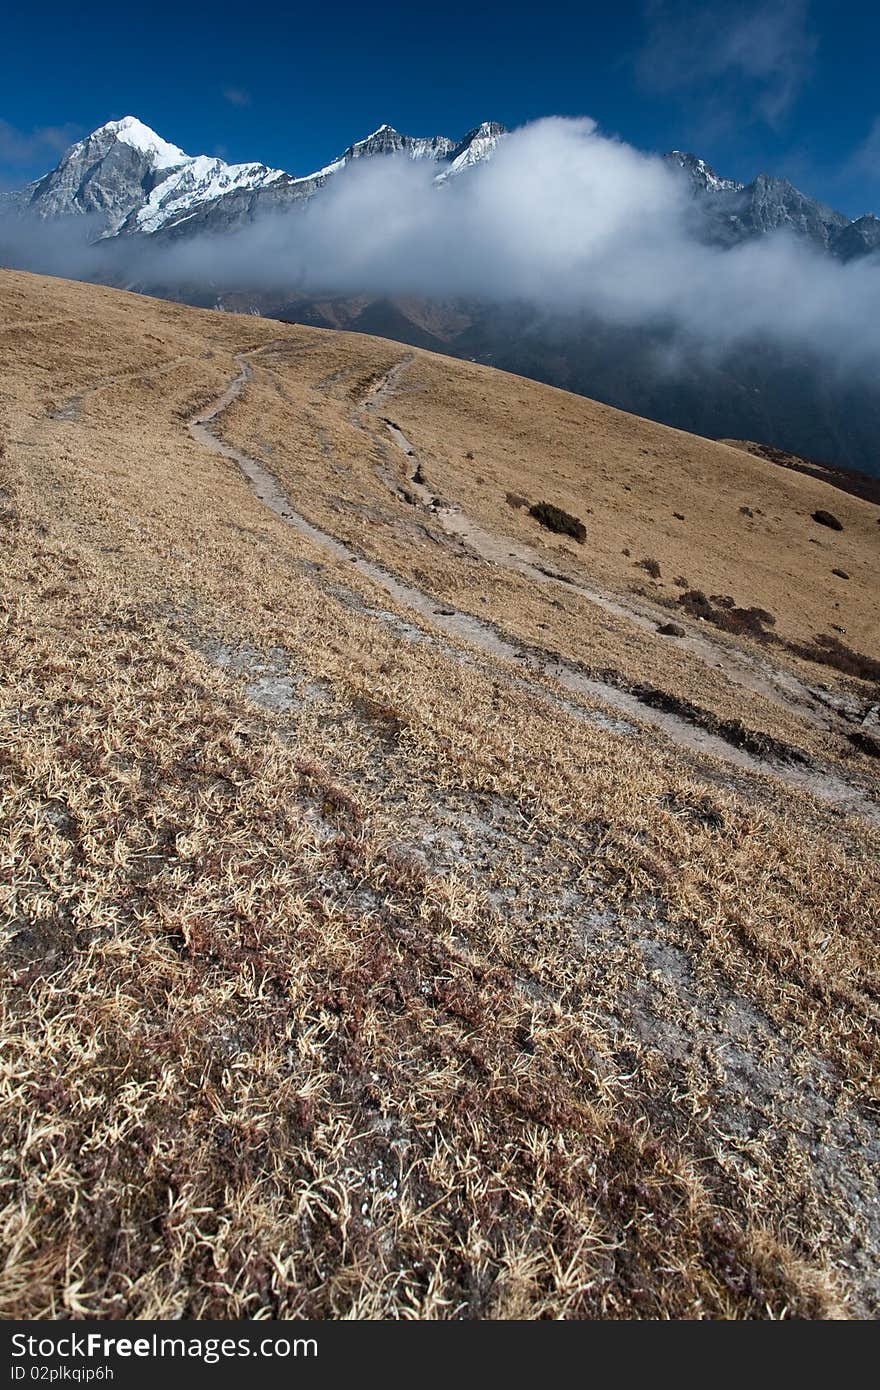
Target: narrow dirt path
{"type": "Point", "coordinates": [482, 635]}
{"type": "Point", "coordinates": [71, 409]}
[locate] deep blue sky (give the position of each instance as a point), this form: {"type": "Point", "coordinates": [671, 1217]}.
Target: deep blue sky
{"type": "Point", "coordinates": [788, 86]}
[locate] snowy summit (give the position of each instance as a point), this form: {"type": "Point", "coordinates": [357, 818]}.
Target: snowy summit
{"type": "Point", "coordinates": [140, 137]}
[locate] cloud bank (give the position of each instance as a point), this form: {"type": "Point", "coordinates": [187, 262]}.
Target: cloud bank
{"type": "Point", "coordinates": [562, 219]}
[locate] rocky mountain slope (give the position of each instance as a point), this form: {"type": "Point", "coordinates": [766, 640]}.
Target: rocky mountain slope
{"type": "Point", "coordinates": [735, 212]}
{"type": "Point", "coordinates": [131, 181]}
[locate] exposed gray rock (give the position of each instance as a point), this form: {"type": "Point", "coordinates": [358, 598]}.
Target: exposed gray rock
{"type": "Point", "coordinates": [859, 238]}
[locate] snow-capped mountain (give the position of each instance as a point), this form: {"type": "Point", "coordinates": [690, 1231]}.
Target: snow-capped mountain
{"type": "Point", "coordinates": [132, 182]}
{"type": "Point", "coordinates": [477, 145]}
{"type": "Point", "coordinates": [200, 180]}
{"type": "Point", "coordinates": [387, 140]}
{"type": "Point", "coordinates": [106, 175]}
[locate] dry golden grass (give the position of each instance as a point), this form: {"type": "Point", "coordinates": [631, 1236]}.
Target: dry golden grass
{"type": "Point", "coordinates": [344, 472]}
{"type": "Point", "coordinates": [352, 971]}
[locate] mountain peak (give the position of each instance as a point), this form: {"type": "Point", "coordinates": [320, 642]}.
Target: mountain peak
{"type": "Point", "coordinates": [382, 132]}
{"type": "Point", "coordinates": [138, 136]}
{"type": "Point", "coordinates": [701, 173]}
{"type": "Point", "coordinates": [490, 129]}
{"type": "Point", "coordinates": [477, 145]}
{"type": "Point", "coordinates": [387, 140]}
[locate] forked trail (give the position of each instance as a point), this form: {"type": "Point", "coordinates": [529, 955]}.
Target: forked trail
{"type": "Point", "coordinates": [482, 635]}
{"type": "Point", "coordinates": [758, 677]}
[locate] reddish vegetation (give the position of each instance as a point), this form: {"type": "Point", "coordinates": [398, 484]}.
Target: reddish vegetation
{"type": "Point", "coordinates": [844, 479]}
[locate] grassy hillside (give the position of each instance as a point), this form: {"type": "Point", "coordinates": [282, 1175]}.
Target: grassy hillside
{"type": "Point", "coordinates": [397, 922]}
{"type": "Point", "coordinates": [758, 390]}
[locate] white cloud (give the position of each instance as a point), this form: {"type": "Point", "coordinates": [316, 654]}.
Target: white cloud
{"type": "Point", "coordinates": [750, 58]}
{"type": "Point", "coordinates": [562, 219]}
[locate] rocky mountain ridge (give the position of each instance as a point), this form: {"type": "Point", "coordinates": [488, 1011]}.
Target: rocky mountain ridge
{"type": "Point", "coordinates": [133, 182]}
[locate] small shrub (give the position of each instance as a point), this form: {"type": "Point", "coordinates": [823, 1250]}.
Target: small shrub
{"type": "Point", "coordinates": [721, 612]}
{"type": "Point", "coordinates": [696, 602]}
{"type": "Point", "coordinates": [830, 651]}
{"type": "Point", "coordinates": [651, 567]}
{"type": "Point", "coordinates": [558, 521]}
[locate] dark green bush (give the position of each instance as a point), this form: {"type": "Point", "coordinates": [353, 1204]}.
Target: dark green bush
{"type": "Point", "coordinates": [555, 519]}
